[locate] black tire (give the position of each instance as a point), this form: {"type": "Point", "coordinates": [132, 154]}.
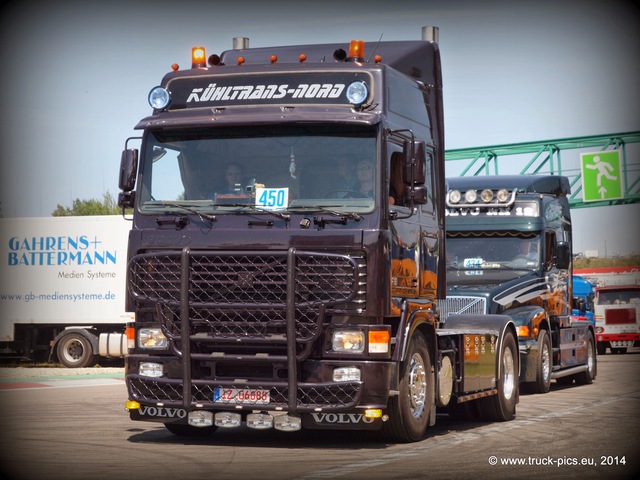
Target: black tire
{"type": "Point", "coordinates": [75, 351]}
{"type": "Point", "coordinates": [602, 348]}
{"type": "Point", "coordinates": [542, 384]}
{"type": "Point", "coordinates": [586, 377]}
{"type": "Point", "coordinates": [182, 430]}
{"type": "Point", "coordinates": [502, 406]}
{"type": "Point", "coordinates": [410, 410]}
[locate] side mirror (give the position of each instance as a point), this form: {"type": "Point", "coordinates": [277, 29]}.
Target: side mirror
{"type": "Point", "coordinates": [128, 169]}
{"type": "Point", "coordinates": [582, 305]}
{"type": "Point", "coordinates": [414, 158]}
{"type": "Point", "coordinates": [126, 199]}
{"type": "Point", "coordinates": [563, 258]}
{"type": "Point", "coordinates": [417, 193]}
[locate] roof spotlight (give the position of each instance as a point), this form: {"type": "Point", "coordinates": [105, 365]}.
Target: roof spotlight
{"type": "Point", "coordinates": [503, 195]}
{"type": "Point", "coordinates": [470, 196]}
{"type": "Point", "coordinates": [486, 195]}
{"type": "Point", "coordinates": [357, 93]}
{"type": "Point", "coordinates": [159, 98]}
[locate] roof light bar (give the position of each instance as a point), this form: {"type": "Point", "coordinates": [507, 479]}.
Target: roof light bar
{"type": "Point", "coordinates": [489, 198]}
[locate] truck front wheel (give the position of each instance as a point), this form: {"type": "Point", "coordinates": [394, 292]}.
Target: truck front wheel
{"type": "Point", "coordinates": [75, 351]}
{"type": "Point", "coordinates": [410, 410]}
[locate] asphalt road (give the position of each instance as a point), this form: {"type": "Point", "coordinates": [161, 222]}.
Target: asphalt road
{"type": "Point", "coordinates": [78, 429]}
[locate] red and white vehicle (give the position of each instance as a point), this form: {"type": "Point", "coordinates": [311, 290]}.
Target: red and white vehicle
{"type": "Point", "coordinates": [617, 314]}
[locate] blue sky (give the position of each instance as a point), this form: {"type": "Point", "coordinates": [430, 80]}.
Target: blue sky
{"type": "Point", "coordinates": [76, 75]}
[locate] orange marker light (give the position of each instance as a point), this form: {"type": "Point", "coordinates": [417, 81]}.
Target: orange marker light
{"type": "Point", "coordinates": [303, 58]}
{"type": "Point", "coordinates": [130, 333]}
{"type": "Point", "coordinates": [198, 57]}
{"type": "Point", "coordinates": [377, 58]}
{"type": "Point", "coordinates": [175, 67]}
{"type": "Point", "coordinates": [273, 58]}
{"type": "Point", "coordinates": [379, 341]}
{"type": "Point", "coordinates": [240, 60]}
{"type": "Point", "coordinates": [356, 50]}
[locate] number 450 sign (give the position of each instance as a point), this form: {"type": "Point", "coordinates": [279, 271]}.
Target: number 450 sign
{"type": "Point", "coordinates": [272, 198]}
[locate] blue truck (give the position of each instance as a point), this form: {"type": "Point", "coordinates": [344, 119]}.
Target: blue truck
{"type": "Point", "coordinates": [583, 295]}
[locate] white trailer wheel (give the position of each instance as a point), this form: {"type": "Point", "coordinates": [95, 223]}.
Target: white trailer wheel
{"type": "Point", "coordinates": [75, 351]}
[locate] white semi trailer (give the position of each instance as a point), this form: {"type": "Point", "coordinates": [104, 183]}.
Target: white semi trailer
{"type": "Point", "coordinates": [62, 287]}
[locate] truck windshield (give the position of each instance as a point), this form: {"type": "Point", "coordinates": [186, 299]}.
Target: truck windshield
{"type": "Point", "coordinates": [619, 296]}
{"type": "Point", "coordinates": [487, 252]}
{"type": "Point", "coordinates": [285, 168]}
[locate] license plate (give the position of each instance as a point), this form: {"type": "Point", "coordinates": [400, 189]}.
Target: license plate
{"type": "Point", "coordinates": [241, 396]}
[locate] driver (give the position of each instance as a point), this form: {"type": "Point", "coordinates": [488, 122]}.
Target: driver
{"type": "Point", "coordinates": [366, 181]}
{"type": "Point", "coordinates": [527, 251]}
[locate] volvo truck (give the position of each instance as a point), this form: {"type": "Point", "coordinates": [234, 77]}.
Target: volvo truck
{"type": "Point", "coordinates": [509, 253]}
{"type": "Point", "coordinates": [304, 292]}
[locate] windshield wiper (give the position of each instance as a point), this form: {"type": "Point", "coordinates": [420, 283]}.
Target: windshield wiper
{"type": "Point", "coordinates": [205, 217]}
{"type": "Point", "coordinates": [319, 208]}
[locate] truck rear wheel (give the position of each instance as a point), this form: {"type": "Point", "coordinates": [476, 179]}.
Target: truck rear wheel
{"type": "Point", "coordinates": [502, 406]}
{"type": "Point", "coordinates": [410, 411]}
{"type": "Point", "coordinates": [75, 351]}
{"type": "Point", "coordinates": [586, 377]}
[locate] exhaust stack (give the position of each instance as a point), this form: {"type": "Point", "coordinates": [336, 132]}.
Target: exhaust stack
{"type": "Point", "coordinates": [430, 34]}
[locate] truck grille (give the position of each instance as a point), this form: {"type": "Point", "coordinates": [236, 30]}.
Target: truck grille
{"type": "Point", "coordinates": [241, 310]}
{"type": "Point", "coordinates": [233, 279]}
{"type": "Point", "coordinates": [334, 396]}
{"type": "Point", "coordinates": [238, 295]}
{"type": "Point", "coordinates": [619, 316]}
{"type": "Point", "coordinates": [462, 306]}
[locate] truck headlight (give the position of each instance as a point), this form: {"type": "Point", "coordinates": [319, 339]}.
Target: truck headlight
{"type": "Point", "coordinates": [351, 341]}
{"type": "Point", "coordinates": [151, 369]}
{"type": "Point", "coordinates": [152, 338]}
{"type": "Point", "coordinates": [346, 374]}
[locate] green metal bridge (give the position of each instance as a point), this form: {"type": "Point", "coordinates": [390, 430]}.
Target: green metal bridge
{"type": "Point", "coordinates": [547, 157]}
